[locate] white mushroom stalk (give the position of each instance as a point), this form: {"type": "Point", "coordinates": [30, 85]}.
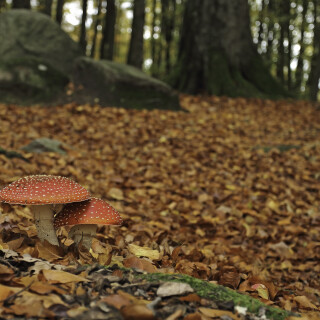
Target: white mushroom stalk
{"type": "Point", "coordinates": [43, 218]}
{"type": "Point", "coordinates": [84, 233]}
{"type": "Point", "coordinates": [84, 217]}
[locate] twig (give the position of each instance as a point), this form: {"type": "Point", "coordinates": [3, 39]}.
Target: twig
{"type": "Point", "coordinates": [13, 296]}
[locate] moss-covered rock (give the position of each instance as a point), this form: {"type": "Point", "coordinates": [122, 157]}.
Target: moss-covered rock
{"type": "Point", "coordinates": [28, 80]}
{"type": "Point", "coordinates": [120, 85]}
{"type": "Point", "coordinates": [26, 33]}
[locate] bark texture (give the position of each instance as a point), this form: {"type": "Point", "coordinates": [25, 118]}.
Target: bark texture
{"type": "Point", "coordinates": [217, 55]}
{"type": "Point", "coordinates": [107, 45]}
{"type": "Point", "coordinates": [59, 11]}
{"type": "Point", "coordinates": [83, 33]}
{"type": "Point", "coordinates": [21, 4]}
{"type": "Point", "coordinates": [135, 55]}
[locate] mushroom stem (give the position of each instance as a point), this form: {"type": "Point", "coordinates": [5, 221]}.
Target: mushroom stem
{"type": "Point", "coordinates": [43, 215]}
{"type": "Point", "coordinates": [83, 232]}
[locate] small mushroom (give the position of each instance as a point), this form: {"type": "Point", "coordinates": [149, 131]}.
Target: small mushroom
{"type": "Point", "coordinates": [84, 216]}
{"type": "Point", "coordinates": [46, 194]}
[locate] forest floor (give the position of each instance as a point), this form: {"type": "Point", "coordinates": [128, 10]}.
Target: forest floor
{"type": "Point", "coordinates": [228, 192]}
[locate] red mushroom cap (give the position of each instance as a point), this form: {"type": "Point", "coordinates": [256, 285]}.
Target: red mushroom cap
{"type": "Point", "coordinates": [92, 211]}
{"type": "Point", "coordinates": [43, 189]}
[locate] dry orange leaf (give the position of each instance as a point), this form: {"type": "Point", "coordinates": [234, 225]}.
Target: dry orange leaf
{"type": "Point", "coordinates": [57, 276]}
{"type": "Point", "coordinates": [304, 302]}
{"type": "Point", "coordinates": [137, 312]}
{"type": "Point", "coordinates": [213, 313]}
{"type": "Point", "coordinates": [137, 263]}
{"type": "Point", "coordinates": [5, 292]}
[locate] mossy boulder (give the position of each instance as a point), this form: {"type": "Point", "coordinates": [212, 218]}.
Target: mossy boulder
{"type": "Point", "coordinates": [25, 33]}
{"type": "Point", "coordinates": [29, 80]}
{"type": "Point", "coordinates": [115, 84]}
{"type": "Point", "coordinates": [36, 57]}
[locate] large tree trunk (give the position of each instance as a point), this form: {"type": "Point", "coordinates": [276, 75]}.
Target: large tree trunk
{"type": "Point", "coordinates": [59, 11]}
{"type": "Point", "coordinates": [135, 54]}
{"type": "Point", "coordinates": [83, 33]}
{"type": "Point", "coordinates": [21, 4]}
{"type": "Point", "coordinates": [107, 43]}
{"type": "Point", "coordinates": [217, 55]}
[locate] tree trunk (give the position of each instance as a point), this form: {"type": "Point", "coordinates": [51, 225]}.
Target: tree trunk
{"type": "Point", "coordinates": [45, 6]}
{"type": "Point", "coordinates": [167, 27]}
{"type": "Point", "coordinates": [261, 20]}
{"type": "Point", "coordinates": [271, 32]}
{"type": "Point", "coordinates": [153, 40]}
{"type": "Point", "coordinates": [299, 69]}
{"type": "Point", "coordinates": [315, 62]}
{"type": "Point", "coordinates": [135, 55]}
{"type": "Point", "coordinates": [281, 54]}
{"type": "Point", "coordinates": [107, 43]}
{"type": "Point", "coordinates": [59, 11]}
{"type": "Point", "coordinates": [21, 4]}
{"type": "Point", "coordinates": [82, 40]}
{"type": "Point", "coordinates": [216, 53]}
{"type": "Point", "coordinates": [289, 47]}
{"type": "Point", "coordinates": [95, 31]}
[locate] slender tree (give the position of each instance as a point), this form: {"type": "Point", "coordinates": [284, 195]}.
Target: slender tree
{"type": "Point", "coordinates": [289, 46]}
{"type": "Point", "coordinates": [21, 4]}
{"type": "Point", "coordinates": [299, 69]}
{"type": "Point", "coordinates": [261, 20]}
{"type": "Point", "coordinates": [153, 39]}
{"type": "Point", "coordinates": [281, 52]}
{"type": "Point", "coordinates": [135, 54]}
{"type": "Point", "coordinates": [168, 20]}
{"type": "Point", "coordinates": [97, 22]}
{"type": "Point", "coordinates": [314, 76]}
{"type": "Point", "coordinates": [45, 6]}
{"type": "Point", "coordinates": [271, 31]}
{"type": "Point", "coordinates": [107, 43]}
{"type": "Point", "coordinates": [83, 33]}
{"type": "Point", "coordinates": [216, 53]}
{"type": "Point", "coordinates": [59, 11]}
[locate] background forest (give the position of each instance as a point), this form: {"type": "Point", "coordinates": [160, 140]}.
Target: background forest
{"type": "Point", "coordinates": [149, 34]}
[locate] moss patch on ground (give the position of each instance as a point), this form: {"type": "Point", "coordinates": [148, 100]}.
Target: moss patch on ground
{"type": "Point", "coordinates": [219, 293]}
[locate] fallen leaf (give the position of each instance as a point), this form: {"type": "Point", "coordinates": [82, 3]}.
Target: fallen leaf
{"type": "Point", "coordinates": [304, 302]}
{"type": "Point", "coordinates": [144, 252]}
{"type": "Point", "coordinates": [116, 193]}
{"type": "Point", "coordinates": [141, 264]}
{"type": "Point", "coordinates": [57, 276]}
{"type": "Point", "coordinates": [137, 312]}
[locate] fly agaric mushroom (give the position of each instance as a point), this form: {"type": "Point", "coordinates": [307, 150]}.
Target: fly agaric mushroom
{"type": "Point", "coordinates": [44, 193]}
{"type": "Point", "coordinates": [84, 216]}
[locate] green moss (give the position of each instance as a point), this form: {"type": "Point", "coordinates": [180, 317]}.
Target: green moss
{"type": "Point", "coordinates": [219, 293]}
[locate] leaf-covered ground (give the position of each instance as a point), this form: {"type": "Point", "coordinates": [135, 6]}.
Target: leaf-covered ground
{"type": "Point", "coordinates": [227, 192]}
